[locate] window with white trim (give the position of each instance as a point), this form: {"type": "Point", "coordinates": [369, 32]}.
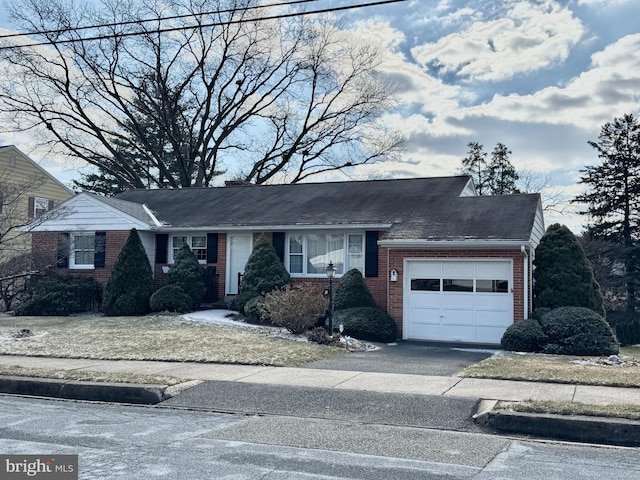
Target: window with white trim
{"type": "Point", "coordinates": [308, 254]}
{"type": "Point", "coordinates": [40, 206]}
{"type": "Point", "coordinates": [83, 249]}
{"type": "Point", "coordinates": [197, 244]}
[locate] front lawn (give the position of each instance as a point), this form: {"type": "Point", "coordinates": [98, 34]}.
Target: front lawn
{"type": "Point", "coordinates": [559, 369]}
{"type": "Point", "coordinates": [154, 337]}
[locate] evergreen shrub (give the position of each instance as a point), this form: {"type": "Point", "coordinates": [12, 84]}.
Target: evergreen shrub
{"type": "Point", "coordinates": [131, 283]}
{"type": "Point", "coordinates": [577, 331]}
{"type": "Point", "coordinates": [563, 275]}
{"type": "Point", "coordinates": [170, 298]}
{"type": "Point", "coordinates": [188, 274]}
{"type": "Point", "coordinates": [263, 273]}
{"type": "Point", "coordinates": [252, 312]}
{"type": "Point", "coordinates": [524, 336]}
{"type": "Point", "coordinates": [366, 323]}
{"type": "Point", "coordinates": [53, 294]}
{"type": "Point", "coordinates": [352, 292]}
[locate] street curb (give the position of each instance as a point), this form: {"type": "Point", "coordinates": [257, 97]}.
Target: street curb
{"type": "Point", "coordinates": [93, 391]}
{"type": "Point", "coordinates": [575, 428]}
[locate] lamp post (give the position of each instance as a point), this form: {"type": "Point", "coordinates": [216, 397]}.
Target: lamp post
{"type": "Point", "coordinates": [331, 272]}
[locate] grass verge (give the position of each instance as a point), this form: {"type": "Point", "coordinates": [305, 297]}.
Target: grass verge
{"type": "Point", "coordinates": [559, 369]}
{"type": "Point", "coordinates": [631, 412]}
{"type": "Point", "coordinates": [88, 375]}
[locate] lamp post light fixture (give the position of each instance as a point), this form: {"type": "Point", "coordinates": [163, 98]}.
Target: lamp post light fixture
{"type": "Point", "coordinates": [331, 272]}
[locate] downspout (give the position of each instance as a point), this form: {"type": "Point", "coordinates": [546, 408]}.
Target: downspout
{"type": "Point", "coordinates": [523, 249]}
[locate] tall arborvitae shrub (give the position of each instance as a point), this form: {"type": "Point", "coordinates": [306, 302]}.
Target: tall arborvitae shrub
{"type": "Point", "coordinates": [352, 292]}
{"type": "Point", "coordinates": [263, 273]}
{"type": "Point", "coordinates": [188, 274]}
{"type": "Point", "coordinates": [563, 275]}
{"type": "Point", "coordinates": [131, 283]}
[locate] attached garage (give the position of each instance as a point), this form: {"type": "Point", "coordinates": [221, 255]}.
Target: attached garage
{"type": "Point", "coordinates": [457, 300]}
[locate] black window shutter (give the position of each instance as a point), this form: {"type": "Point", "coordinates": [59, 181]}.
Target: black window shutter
{"type": "Point", "coordinates": [99, 253]}
{"type": "Point", "coordinates": [162, 244]}
{"type": "Point", "coordinates": [371, 254]}
{"type": "Point", "coordinates": [212, 248]}
{"type": "Point", "coordinates": [278, 244]}
{"type": "Point", "coordinates": [31, 205]}
{"type": "Point", "coordinates": [64, 248]}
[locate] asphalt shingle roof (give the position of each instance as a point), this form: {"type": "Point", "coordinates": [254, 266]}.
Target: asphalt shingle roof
{"type": "Point", "coordinates": [418, 208]}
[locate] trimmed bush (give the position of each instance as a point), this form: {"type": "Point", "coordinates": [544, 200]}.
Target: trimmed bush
{"type": "Point", "coordinates": [352, 292]}
{"type": "Point", "coordinates": [171, 298]}
{"type": "Point", "coordinates": [188, 274]}
{"type": "Point", "coordinates": [297, 308]}
{"type": "Point", "coordinates": [60, 295]}
{"type": "Point", "coordinates": [263, 273]}
{"type": "Point", "coordinates": [131, 284]}
{"type": "Point", "coordinates": [367, 323]}
{"type": "Point", "coordinates": [577, 331]}
{"type": "Point", "coordinates": [47, 304]}
{"type": "Point", "coordinates": [563, 275]}
{"type": "Point", "coordinates": [524, 336]}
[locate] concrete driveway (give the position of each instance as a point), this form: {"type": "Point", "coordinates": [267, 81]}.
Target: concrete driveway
{"type": "Point", "coordinates": [410, 357]}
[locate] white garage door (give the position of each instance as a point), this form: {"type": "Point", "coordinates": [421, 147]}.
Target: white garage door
{"type": "Point", "coordinates": [463, 301]}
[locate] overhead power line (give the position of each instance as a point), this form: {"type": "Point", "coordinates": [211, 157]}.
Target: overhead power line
{"type": "Point", "coordinates": [184, 27]}
{"type": "Point", "coordinates": [161, 19]}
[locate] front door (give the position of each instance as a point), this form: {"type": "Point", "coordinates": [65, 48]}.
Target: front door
{"type": "Point", "coordinates": [238, 251]}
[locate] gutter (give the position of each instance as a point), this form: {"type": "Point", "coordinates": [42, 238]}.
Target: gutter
{"type": "Point", "coordinates": [273, 228]}
{"type": "Point", "coordinates": [462, 244]}
{"type": "Point", "coordinates": [525, 269]}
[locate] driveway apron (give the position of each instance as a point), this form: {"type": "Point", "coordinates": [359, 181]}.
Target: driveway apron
{"type": "Point", "coordinates": [406, 357]}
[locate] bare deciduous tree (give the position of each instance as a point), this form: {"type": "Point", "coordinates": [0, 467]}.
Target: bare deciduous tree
{"type": "Point", "coordinates": [173, 93]}
{"type": "Point", "coordinates": [18, 261]}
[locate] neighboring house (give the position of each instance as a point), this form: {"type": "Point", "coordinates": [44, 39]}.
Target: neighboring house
{"type": "Point", "coordinates": [445, 263]}
{"type": "Point", "coordinates": [27, 192]}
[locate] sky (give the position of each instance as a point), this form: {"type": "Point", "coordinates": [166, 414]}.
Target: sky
{"type": "Point", "coordinates": [542, 77]}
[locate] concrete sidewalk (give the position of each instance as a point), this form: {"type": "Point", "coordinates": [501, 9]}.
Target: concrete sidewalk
{"type": "Point", "coordinates": [350, 380]}
{"type": "Point", "coordinates": [565, 427]}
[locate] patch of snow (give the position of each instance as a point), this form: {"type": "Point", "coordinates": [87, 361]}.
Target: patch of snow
{"type": "Point", "coordinates": [219, 317]}
{"type": "Point", "coordinates": [479, 350]}
{"type": "Point", "coordinates": [612, 361]}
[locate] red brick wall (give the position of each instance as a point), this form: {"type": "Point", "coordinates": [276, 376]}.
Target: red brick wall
{"type": "Point", "coordinates": [46, 243]}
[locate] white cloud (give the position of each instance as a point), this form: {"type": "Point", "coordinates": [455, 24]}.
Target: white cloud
{"type": "Point", "coordinates": [606, 90]}
{"type": "Point", "coordinates": [529, 37]}
{"type": "Point", "coordinates": [605, 3]}
{"type": "Point", "coordinates": [414, 87]}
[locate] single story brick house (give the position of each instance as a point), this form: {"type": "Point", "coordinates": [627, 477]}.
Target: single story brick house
{"type": "Point", "coordinates": [445, 263]}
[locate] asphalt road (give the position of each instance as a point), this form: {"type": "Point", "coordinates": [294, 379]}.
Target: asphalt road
{"type": "Point", "coordinates": [135, 443]}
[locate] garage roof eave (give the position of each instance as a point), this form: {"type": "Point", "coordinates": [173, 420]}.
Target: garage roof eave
{"type": "Point", "coordinates": [462, 244]}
